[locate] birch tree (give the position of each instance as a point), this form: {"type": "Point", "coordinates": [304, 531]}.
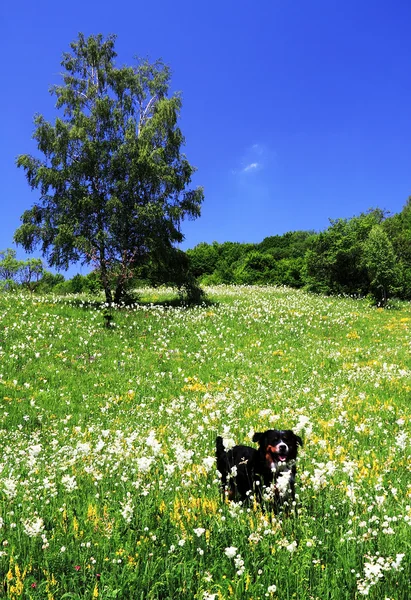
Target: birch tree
{"type": "Point", "coordinates": [113, 182]}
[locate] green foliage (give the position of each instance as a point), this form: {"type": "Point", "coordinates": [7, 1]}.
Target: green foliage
{"type": "Point", "coordinates": [254, 267]}
{"type": "Point", "coordinates": [334, 263]}
{"type": "Point", "coordinates": [203, 259]}
{"type": "Point", "coordinates": [292, 244]}
{"type": "Point", "coordinates": [350, 257]}
{"type": "Point", "coordinates": [30, 272]}
{"type": "Point", "coordinates": [398, 229]}
{"type": "Point", "coordinates": [113, 178]}
{"type": "Point", "coordinates": [49, 281]}
{"type": "Point", "coordinates": [381, 264]}
{"type": "Point", "coordinates": [9, 265]}
{"type": "Point", "coordinates": [14, 272]}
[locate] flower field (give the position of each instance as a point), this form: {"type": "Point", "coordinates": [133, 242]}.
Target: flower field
{"type": "Point", "coordinates": [108, 485]}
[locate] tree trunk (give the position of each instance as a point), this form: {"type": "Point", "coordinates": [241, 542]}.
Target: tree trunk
{"type": "Point", "coordinates": [105, 283]}
{"type": "Point", "coordinates": [109, 296]}
{"type": "Point", "coordinates": [118, 294]}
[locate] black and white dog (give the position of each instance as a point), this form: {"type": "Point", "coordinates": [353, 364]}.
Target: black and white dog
{"type": "Point", "coordinates": [268, 472]}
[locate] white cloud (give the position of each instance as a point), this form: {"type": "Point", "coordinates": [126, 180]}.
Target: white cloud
{"type": "Point", "coordinates": [253, 160]}
{"type": "Point", "coordinates": [251, 167]}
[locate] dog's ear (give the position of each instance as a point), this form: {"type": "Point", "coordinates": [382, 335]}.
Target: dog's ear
{"type": "Point", "coordinates": [257, 437]}
{"type": "Point", "coordinates": [298, 440]}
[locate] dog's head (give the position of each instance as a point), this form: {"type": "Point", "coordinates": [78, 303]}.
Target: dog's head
{"type": "Point", "coordinates": [278, 447]}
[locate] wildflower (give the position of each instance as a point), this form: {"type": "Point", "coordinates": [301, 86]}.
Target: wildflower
{"type": "Point", "coordinates": [283, 482]}
{"type": "Point", "coordinates": [199, 531]}
{"type": "Point", "coordinates": [69, 482]}
{"type": "Point", "coordinates": [209, 462]}
{"type": "Point", "coordinates": [239, 564]}
{"type": "Point", "coordinates": [77, 568]}
{"type": "Point", "coordinates": [127, 509]}
{"type": "Point", "coordinates": [401, 440]}
{"type": "Point", "coordinates": [144, 463]}
{"type": "Point", "coordinates": [153, 443]}
{"type": "Point", "coordinates": [10, 487]}
{"type": "Point", "coordinates": [230, 552]}
{"type": "Point", "coordinates": [33, 527]}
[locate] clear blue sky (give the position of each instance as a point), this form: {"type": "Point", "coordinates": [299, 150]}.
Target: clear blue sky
{"type": "Point", "coordinates": [294, 111]}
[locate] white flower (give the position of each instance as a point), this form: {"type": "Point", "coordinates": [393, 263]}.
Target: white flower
{"type": "Point", "coordinates": [283, 482]}
{"type": "Point", "coordinates": [396, 564]}
{"type": "Point", "coordinates": [272, 589]}
{"type": "Point", "coordinates": [33, 527]}
{"type": "Point", "coordinates": [292, 547]}
{"type": "Point", "coordinates": [83, 448]}
{"type": "Point", "coordinates": [153, 443]}
{"type": "Point", "coordinates": [209, 463]}
{"type": "Point", "coordinates": [127, 509]}
{"type": "Point", "coordinates": [35, 449]}
{"type": "Point", "coordinates": [199, 531]}
{"type": "Point", "coordinates": [10, 487]}
{"type": "Point", "coordinates": [401, 440]}
{"type": "Point", "coordinates": [231, 551]}
{"type": "Point", "coordinates": [183, 456]}
{"type": "Point", "coordinates": [233, 471]}
{"type": "Point", "coordinates": [69, 482]}
{"type": "Point", "coordinates": [144, 463]}
{"type": "Point", "coordinates": [303, 424]}
{"type": "Point", "coordinates": [228, 443]}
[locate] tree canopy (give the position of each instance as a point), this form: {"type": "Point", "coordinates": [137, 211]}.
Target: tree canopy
{"type": "Point", "coordinates": [112, 178]}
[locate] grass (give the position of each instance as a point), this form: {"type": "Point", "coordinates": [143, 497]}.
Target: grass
{"type": "Point", "coordinates": [108, 486]}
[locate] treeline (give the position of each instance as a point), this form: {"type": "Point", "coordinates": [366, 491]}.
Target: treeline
{"type": "Point", "coordinates": [30, 274]}
{"type": "Point", "coordinates": [369, 254]}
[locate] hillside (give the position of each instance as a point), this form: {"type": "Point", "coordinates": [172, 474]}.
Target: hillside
{"type": "Point", "coordinates": [108, 480]}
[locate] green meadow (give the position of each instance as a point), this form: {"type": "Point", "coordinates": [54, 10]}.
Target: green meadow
{"type": "Point", "coordinates": [108, 484]}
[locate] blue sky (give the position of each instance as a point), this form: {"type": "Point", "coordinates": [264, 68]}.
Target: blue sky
{"type": "Point", "coordinates": [294, 111]}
